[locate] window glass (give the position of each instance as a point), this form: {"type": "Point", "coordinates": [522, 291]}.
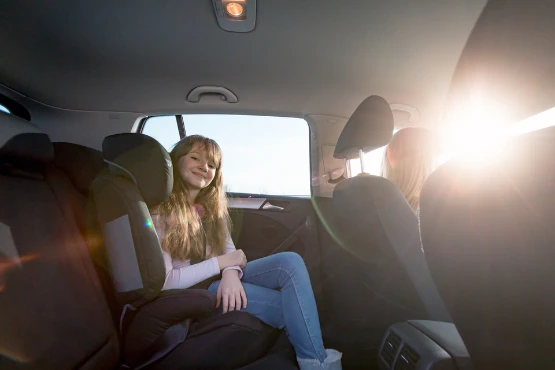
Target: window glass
{"type": "Point", "coordinates": [4, 109]}
{"type": "Point", "coordinates": [262, 154]}
{"type": "Point", "coordinates": [537, 122]}
{"type": "Point", "coordinates": [488, 140]}
{"type": "Point", "coordinates": [164, 129]}
{"type": "Point", "coordinates": [372, 162]}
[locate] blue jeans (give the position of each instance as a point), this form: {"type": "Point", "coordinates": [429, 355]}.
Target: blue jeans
{"type": "Point", "coordinates": [279, 293]}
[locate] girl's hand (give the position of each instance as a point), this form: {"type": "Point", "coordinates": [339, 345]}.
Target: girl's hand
{"type": "Point", "coordinates": [231, 292]}
{"type": "Point", "coordinates": [235, 258]}
{"type": "Point", "coordinates": [238, 258]}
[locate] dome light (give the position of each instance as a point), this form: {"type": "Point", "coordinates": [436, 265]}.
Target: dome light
{"type": "Point", "coordinates": [234, 9]}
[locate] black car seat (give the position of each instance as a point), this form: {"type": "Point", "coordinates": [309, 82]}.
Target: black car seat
{"type": "Point", "coordinates": [80, 165]}
{"type": "Point", "coordinates": [489, 239]}
{"type": "Point", "coordinates": [53, 314]}
{"type": "Point", "coordinates": [378, 230]}
{"type": "Point", "coordinates": [163, 329]}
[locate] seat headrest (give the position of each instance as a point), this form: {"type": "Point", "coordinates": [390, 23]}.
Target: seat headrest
{"type": "Point", "coordinates": [142, 160]}
{"type": "Point", "coordinates": [23, 144]}
{"type": "Point", "coordinates": [80, 163]}
{"type": "Point", "coordinates": [370, 127]}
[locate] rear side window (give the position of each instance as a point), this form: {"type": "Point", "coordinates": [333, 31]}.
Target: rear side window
{"type": "Point", "coordinates": [10, 106]}
{"type": "Point", "coordinates": [262, 154]}
{"type": "Point", "coordinates": [372, 162]}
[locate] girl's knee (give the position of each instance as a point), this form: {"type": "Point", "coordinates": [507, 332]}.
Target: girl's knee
{"type": "Point", "coordinates": [291, 259]}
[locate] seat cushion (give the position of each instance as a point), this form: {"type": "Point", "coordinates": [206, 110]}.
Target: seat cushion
{"type": "Point", "coordinates": [227, 341]}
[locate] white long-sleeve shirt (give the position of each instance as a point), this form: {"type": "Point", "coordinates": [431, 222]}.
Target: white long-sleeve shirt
{"type": "Point", "coordinates": [180, 274]}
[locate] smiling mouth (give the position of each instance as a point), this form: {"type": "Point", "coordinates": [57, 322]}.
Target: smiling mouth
{"type": "Point", "coordinates": [199, 176]}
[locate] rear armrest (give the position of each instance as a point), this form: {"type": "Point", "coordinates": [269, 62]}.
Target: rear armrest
{"type": "Point", "coordinates": [424, 344]}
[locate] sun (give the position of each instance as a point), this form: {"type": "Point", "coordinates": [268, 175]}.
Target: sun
{"type": "Point", "coordinates": [476, 131]}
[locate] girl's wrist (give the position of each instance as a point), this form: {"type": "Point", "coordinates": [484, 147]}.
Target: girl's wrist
{"type": "Point", "coordinates": [231, 271]}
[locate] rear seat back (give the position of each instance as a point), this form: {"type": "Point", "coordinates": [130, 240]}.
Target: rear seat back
{"type": "Point", "coordinates": [81, 165]}
{"type": "Point", "coordinates": [53, 313]}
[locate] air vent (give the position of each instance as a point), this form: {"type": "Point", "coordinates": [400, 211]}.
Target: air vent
{"type": "Point", "coordinates": [390, 347]}
{"type": "Point", "coordinates": [407, 360]}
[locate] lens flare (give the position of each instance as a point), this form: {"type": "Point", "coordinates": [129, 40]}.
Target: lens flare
{"type": "Point", "coordinates": [475, 130]}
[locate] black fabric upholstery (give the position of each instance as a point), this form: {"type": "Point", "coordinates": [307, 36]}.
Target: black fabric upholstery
{"type": "Point", "coordinates": [145, 161]}
{"type": "Point", "coordinates": [280, 357]}
{"type": "Point", "coordinates": [228, 341]}
{"type": "Point", "coordinates": [52, 311]}
{"type": "Point", "coordinates": [171, 307]}
{"type": "Point", "coordinates": [76, 167]}
{"type": "Point", "coordinates": [27, 149]}
{"type": "Point", "coordinates": [373, 222]}
{"type": "Point", "coordinates": [22, 144]}
{"type": "Point", "coordinates": [370, 127]}
{"type": "Point", "coordinates": [82, 164]}
{"type": "Point", "coordinates": [489, 239]}
{"type": "Point", "coordinates": [53, 314]}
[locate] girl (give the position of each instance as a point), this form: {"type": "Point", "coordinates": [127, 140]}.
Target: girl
{"type": "Point", "coordinates": [409, 160]}
{"type": "Point", "coordinates": [193, 227]}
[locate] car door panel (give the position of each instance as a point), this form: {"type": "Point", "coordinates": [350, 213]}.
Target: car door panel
{"type": "Point", "coordinates": [281, 224]}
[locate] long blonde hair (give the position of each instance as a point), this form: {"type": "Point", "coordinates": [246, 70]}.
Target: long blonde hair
{"type": "Point", "coordinates": [186, 235]}
{"type": "Point", "coordinates": [409, 160]}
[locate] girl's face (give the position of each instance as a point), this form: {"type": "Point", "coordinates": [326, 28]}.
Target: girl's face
{"type": "Point", "coordinates": [196, 169]}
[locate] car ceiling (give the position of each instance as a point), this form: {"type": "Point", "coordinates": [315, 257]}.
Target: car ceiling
{"type": "Point", "coordinates": [508, 62]}
{"type": "Point", "coordinates": [304, 57]}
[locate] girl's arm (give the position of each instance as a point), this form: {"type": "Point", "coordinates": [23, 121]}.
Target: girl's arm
{"type": "Point", "coordinates": [186, 276]}
{"type": "Point", "coordinates": [183, 275]}
{"type": "Point", "coordinates": [229, 248]}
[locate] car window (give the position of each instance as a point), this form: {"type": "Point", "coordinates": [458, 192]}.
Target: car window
{"type": "Point", "coordinates": [4, 109]}
{"type": "Point", "coordinates": [164, 129]}
{"type": "Point", "coordinates": [488, 139]}
{"type": "Point", "coordinates": [372, 162]}
{"type": "Point", "coordinates": [262, 154]}
{"type": "Point", "coordinates": [536, 122]}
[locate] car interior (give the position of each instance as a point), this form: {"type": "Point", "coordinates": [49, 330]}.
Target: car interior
{"type": "Point", "coordinates": [303, 97]}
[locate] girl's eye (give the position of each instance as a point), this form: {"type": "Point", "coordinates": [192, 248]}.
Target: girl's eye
{"type": "Point", "coordinates": [212, 166]}
{"type": "Point", "coordinates": [195, 158]}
